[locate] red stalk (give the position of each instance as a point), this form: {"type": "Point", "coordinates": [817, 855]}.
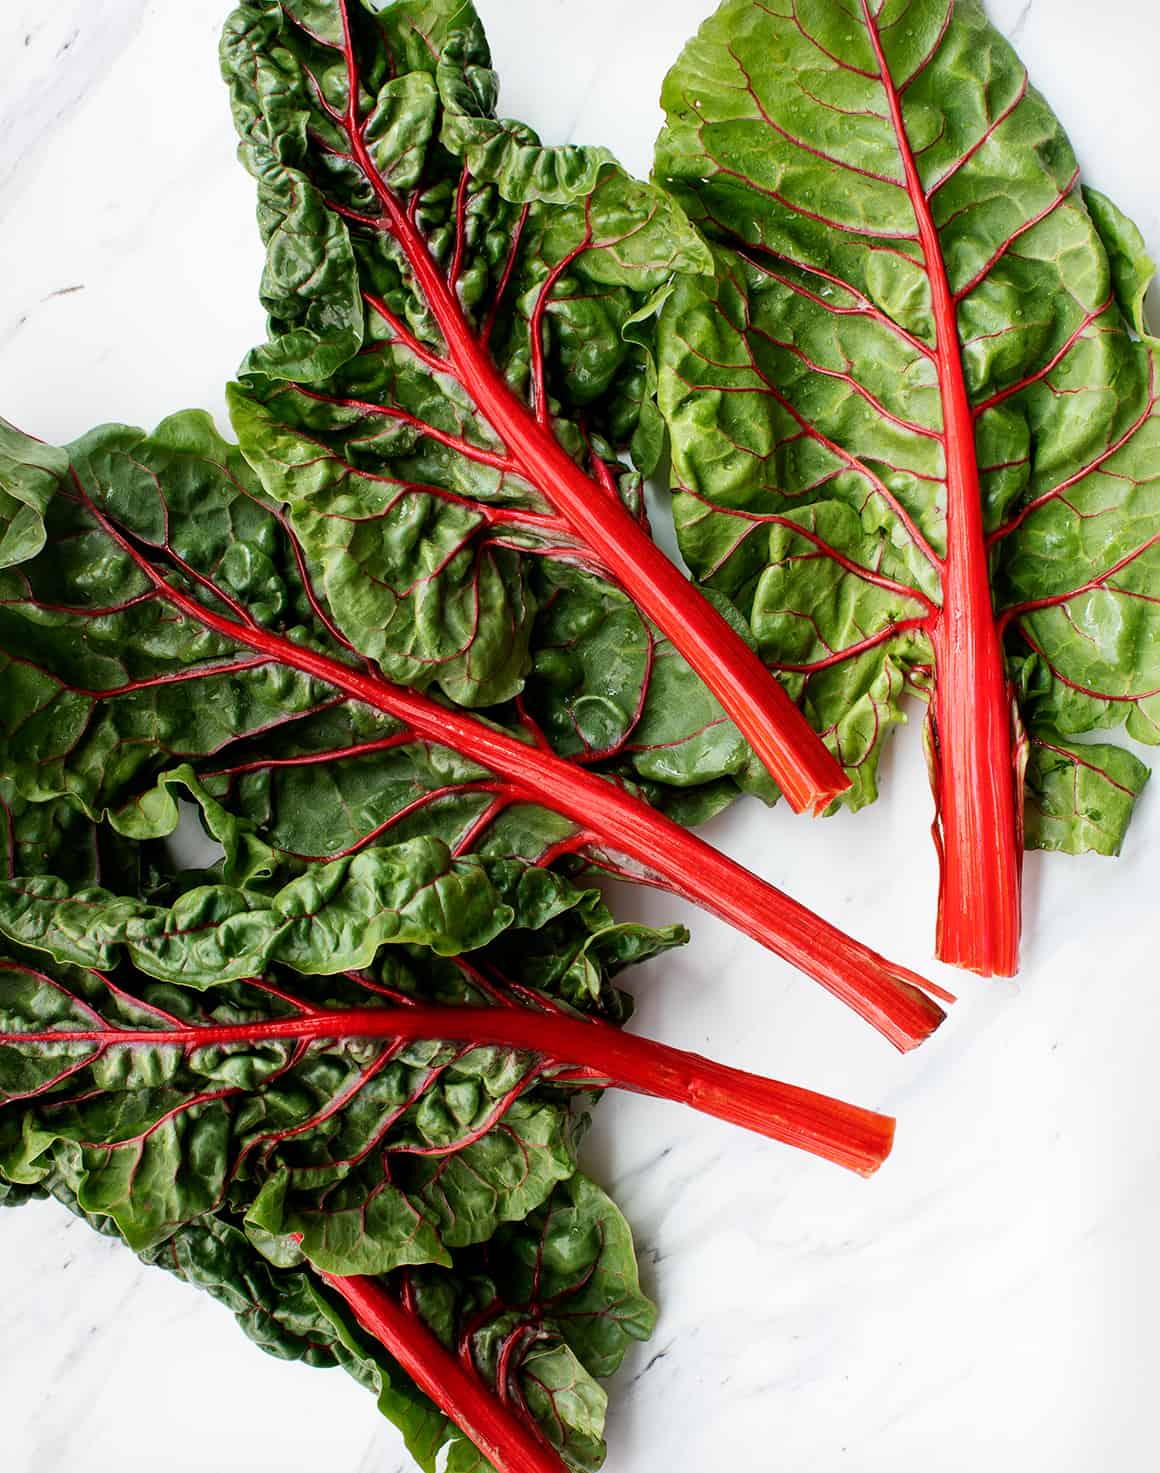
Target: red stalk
{"type": "Point", "coordinates": [857, 1139]}
{"type": "Point", "coordinates": [808, 775]}
{"type": "Point", "coordinates": [509, 1442]}
{"type": "Point", "coordinates": [889, 997]}
{"type": "Point", "coordinates": [979, 825]}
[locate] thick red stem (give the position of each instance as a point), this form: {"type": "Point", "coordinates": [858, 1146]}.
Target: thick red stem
{"type": "Point", "coordinates": [508, 1442]}
{"type": "Point", "coordinates": [808, 775]}
{"type": "Point", "coordinates": [976, 782]}
{"type": "Point", "coordinates": [857, 1139]}
{"type": "Point", "coordinates": [886, 995]}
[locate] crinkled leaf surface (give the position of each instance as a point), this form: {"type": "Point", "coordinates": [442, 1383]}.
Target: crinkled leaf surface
{"type": "Point", "coordinates": [559, 1292]}
{"type": "Point", "coordinates": [553, 1302]}
{"type": "Point", "coordinates": [372, 1154]}
{"type": "Point", "coordinates": [376, 1153]}
{"type": "Point", "coordinates": [238, 1165]}
{"type": "Point", "coordinates": [801, 382]}
{"type": "Point", "coordinates": [396, 482]}
{"type": "Point", "coordinates": [105, 692]}
{"type": "Point", "coordinates": [29, 472]}
{"type": "Point", "coordinates": [331, 917]}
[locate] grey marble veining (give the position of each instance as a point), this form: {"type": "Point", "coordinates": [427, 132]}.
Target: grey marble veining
{"type": "Point", "coordinates": [989, 1301]}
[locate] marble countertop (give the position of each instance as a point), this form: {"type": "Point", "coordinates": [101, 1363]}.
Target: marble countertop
{"type": "Point", "coordinates": [990, 1300]}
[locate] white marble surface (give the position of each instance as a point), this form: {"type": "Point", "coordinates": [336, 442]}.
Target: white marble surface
{"type": "Point", "coordinates": [991, 1299]}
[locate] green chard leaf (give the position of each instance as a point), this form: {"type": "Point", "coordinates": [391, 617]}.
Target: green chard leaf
{"type": "Point", "coordinates": [553, 1303]}
{"type": "Point", "coordinates": [396, 481]}
{"type": "Point", "coordinates": [162, 1131]}
{"type": "Point", "coordinates": [560, 1291]}
{"type": "Point", "coordinates": [192, 1115]}
{"type": "Point", "coordinates": [251, 1162]}
{"type": "Point", "coordinates": [921, 350]}
{"type": "Point", "coordinates": [118, 703]}
{"type": "Point", "coordinates": [456, 403]}
{"type": "Point", "coordinates": [375, 1148]}
{"type": "Point", "coordinates": [29, 472]}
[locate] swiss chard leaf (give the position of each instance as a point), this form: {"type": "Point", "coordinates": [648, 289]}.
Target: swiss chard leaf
{"type": "Point", "coordinates": [459, 363]}
{"type": "Point", "coordinates": [102, 694]}
{"type": "Point", "coordinates": [374, 1149]}
{"type": "Point", "coordinates": [103, 699]}
{"type": "Point", "coordinates": [917, 396]}
{"type": "Point", "coordinates": [49, 838]}
{"type": "Point", "coordinates": [398, 485]}
{"type": "Point", "coordinates": [371, 1153]}
{"type": "Point", "coordinates": [246, 1159]}
{"type": "Point", "coordinates": [553, 1304]}
{"type": "Point", "coordinates": [29, 472]}
{"type": "Point", "coordinates": [569, 1323]}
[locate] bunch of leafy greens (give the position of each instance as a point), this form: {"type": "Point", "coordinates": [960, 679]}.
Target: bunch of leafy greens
{"type": "Point", "coordinates": [428, 508]}
{"type": "Point", "coordinates": [410, 653]}
{"type": "Point", "coordinates": [357, 1066]}
{"type": "Point", "coordinates": [169, 636]}
{"type": "Point", "coordinates": [249, 1166]}
{"type": "Point", "coordinates": [914, 420]}
{"type": "Point", "coordinates": [338, 1067]}
{"type": "Point", "coordinates": [249, 1161]}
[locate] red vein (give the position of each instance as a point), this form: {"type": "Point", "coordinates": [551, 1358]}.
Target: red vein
{"type": "Point", "coordinates": [390, 411]}
{"type": "Point", "coordinates": [460, 228]}
{"type": "Point", "coordinates": [976, 147]}
{"type": "Point", "coordinates": [818, 153]}
{"type": "Point", "coordinates": [809, 36]}
{"type": "Point", "coordinates": [1077, 761]}
{"type": "Point", "coordinates": [1040, 374]}
{"type": "Point", "coordinates": [506, 276]}
{"type": "Point", "coordinates": [309, 759]}
{"type": "Point", "coordinates": [851, 652]}
{"type": "Point", "coordinates": [925, 63]}
{"type": "Point", "coordinates": [1093, 585]}
{"type": "Point", "coordinates": [847, 564]}
{"type": "Point", "coordinates": [179, 677]}
{"type": "Point", "coordinates": [536, 328]}
{"type": "Point", "coordinates": [865, 232]}
{"type": "Point", "coordinates": [846, 377]}
{"type": "Point", "coordinates": [406, 337]}
{"type": "Point", "coordinates": [1082, 474]}
{"type": "Point", "coordinates": [1036, 219]}
{"type": "Point", "coordinates": [1083, 690]}
{"type": "Point", "coordinates": [864, 307]}
{"type": "Point", "coordinates": [855, 464]}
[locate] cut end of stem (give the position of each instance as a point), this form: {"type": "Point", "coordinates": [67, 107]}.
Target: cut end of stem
{"type": "Point", "coordinates": [859, 1140]}
{"type": "Point", "coordinates": [980, 904]}
{"type": "Point", "coordinates": [926, 1018]}
{"type": "Point", "coordinates": [902, 1006]}
{"type": "Point", "coordinates": [974, 953]}
{"type": "Point", "coordinates": [814, 782]}
{"type": "Point", "coordinates": [847, 1135]}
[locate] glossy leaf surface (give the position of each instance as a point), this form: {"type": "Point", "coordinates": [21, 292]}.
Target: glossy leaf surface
{"type": "Point", "coordinates": [917, 397]}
